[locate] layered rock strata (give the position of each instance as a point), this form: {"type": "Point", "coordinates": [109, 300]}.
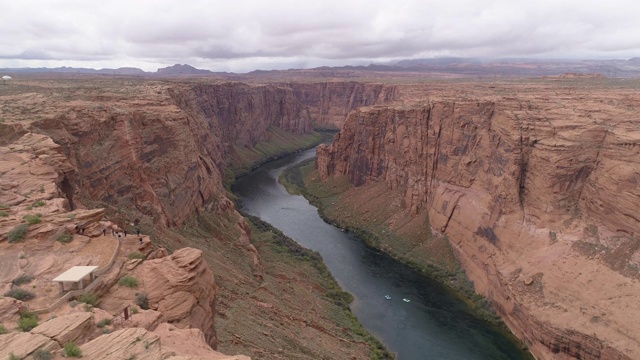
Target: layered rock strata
{"type": "Point", "coordinates": [181, 287]}
{"type": "Point", "coordinates": [538, 199]}
{"type": "Point", "coordinates": [163, 148]}
{"type": "Point", "coordinates": [329, 103]}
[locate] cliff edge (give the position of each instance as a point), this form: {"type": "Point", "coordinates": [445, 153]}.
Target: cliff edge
{"type": "Point", "coordinates": [538, 198]}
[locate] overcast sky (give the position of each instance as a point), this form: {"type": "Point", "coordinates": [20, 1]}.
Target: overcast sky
{"type": "Point", "coordinates": [243, 35]}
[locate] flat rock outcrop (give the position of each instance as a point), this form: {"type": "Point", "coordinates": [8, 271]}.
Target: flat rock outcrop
{"type": "Point", "coordinates": [65, 328]}
{"type": "Point", "coordinates": [129, 343]}
{"type": "Point", "coordinates": [538, 196]}
{"type": "Point", "coordinates": [24, 344]}
{"type": "Point", "coordinates": [167, 342]}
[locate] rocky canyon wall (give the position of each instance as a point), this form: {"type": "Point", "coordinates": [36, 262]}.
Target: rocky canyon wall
{"type": "Point", "coordinates": [329, 103]}
{"type": "Point", "coordinates": [538, 196]}
{"type": "Point", "coordinates": [163, 148]}
{"type": "Point", "coordinates": [159, 151]}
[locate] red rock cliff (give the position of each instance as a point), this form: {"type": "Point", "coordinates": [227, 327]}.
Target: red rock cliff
{"type": "Point", "coordinates": [539, 199]}
{"type": "Point", "coordinates": [330, 102]}
{"type": "Point", "coordinates": [163, 148]}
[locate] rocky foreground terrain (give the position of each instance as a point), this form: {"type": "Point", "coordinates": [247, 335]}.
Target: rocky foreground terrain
{"type": "Point", "coordinates": [132, 153]}
{"type": "Point", "coordinates": [524, 177]}
{"type": "Point", "coordinates": [536, 187]}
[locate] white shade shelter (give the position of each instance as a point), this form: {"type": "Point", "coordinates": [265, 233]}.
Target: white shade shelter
{"type": "Point", "coordinates": [75, 275]}
{"type": "Point", "coordinates": [6, 77]}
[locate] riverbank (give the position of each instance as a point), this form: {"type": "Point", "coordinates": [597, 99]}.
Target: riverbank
{"type": "Point", "coordinates": [367, 212]}
{"type": "Point", "coordinates": [281, 249]}
{"type": "Point", "coordinates": [280, 143]}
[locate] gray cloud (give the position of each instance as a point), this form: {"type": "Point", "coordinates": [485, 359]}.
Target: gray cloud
{"type": "Point", "coordinates": [246, 34]}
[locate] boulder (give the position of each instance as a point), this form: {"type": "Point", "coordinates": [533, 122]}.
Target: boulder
{"type": "Point", "coordinates": [23, 344]}
{"type": "Point", "coordinates": [124, 344]}
{"type": "Point", "coordinates": [147, 319]}
{"type": "Point", "coordinates": [65, 328]}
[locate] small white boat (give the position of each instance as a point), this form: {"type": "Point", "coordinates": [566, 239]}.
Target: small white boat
{"type": "Point", "coordinates": [387, 297]}
{"type": "Point", "coordinates": [406, 300]}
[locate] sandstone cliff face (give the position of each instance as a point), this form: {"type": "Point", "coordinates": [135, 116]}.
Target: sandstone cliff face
{"type": "Point", "coordinates": [539, 199]}
{"type": "Point", "coordinates": [241, 114]}
{"type": "Point", "coordinates": [164, 147]}
{"type": "Point", "coordinates": [329, 103]}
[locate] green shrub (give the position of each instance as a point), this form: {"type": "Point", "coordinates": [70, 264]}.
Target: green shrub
{"type": "Point", "coordinates": [20, 294]}
{"type": "Point", "coordinates": [28, 320]}
{"type": "Point", "coordinates": [39, 203]}
{"type": "Point", "coordinates": [13, 356]}
{"type": "Point", "coordinates": [33, 219]}
{"type": "Point", "coordinates": [43, 354]}
{"type": "Point", "coordinates": [22, 279]}
{"type": "Point", "coordinates": [18, 233]}
{"type": "Point", "coordinates": [4, 206]}
{"type": "Point", "coordinates": [104, 322]}
{"type": "Point", "coordinates": [128, 281]}
{"type": "Point", "coordinates": [65, 238]}
{"type": "Point", "coordinates": [142, 301]}
{"type": "Point", "coordinates": [88, 298]}
{"type": "Point", "coordinates": [72, 350]}
{"type": "Point", "coordinates": [4, 214]}
{"type": "Point", "coordinates": [3, 330]}
{"type": "Point", "coordinates": [136, 255]}
{"type": "Point", "coordinates": [134, 310]}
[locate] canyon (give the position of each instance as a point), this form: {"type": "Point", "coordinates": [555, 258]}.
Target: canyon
{"type": "Point", "coordinates": [157, 156]}
{"type": "Point", "coordinates": [536, 192]}
{"type": "Point", "coordinates": [532, 181]}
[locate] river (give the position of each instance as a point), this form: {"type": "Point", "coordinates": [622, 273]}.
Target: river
{"type": "Point", "coordinates": [434, 324]}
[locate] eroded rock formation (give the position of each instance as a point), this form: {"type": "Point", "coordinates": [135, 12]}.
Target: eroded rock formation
{"type": "Point", "coordinates": [181, 287]}
{"type": "Point", "coordinates": [539, 198]}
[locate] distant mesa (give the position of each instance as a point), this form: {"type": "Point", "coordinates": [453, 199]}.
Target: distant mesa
{"type": "Point", "coordinates": [444, 61]}
{"type": "Point", "coordinates": [179, 69]}
{"type": "Point", "coordinates": [574, 75]}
